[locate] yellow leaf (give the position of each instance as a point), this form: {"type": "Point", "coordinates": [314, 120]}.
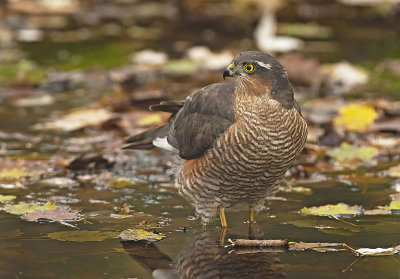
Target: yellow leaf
{"type": "Point", "coordinates": [394, 205]}
{"type": "Point", "coordinates": [13, 174]}
{"type": "Point", "coordinates": [302, 190]}
{"type": "Point", "coordinates": [121, 182]}
{"type": "Point", "coordinates": [355, 117]}
{"type": "Point", "coordinates": [152, 119]}
{"type": "Point", "coordinates": [23, 207]}
{"type": "Point", "coordinates": [7, 197]}
{"type": "Point", "coordinates": [139, 234]}
{"type": "Point", "coordinates": [348, 152]}
{"type": "Point", "coordinates": [331, 210]}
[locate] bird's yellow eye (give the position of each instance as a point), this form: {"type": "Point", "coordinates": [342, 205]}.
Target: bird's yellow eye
{"type": "Point", "coordinates": [249, 68]}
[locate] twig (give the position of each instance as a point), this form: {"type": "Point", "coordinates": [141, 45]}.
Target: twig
{"type": "Point", "coordinates": [351, 249]}
{"type": "Point", "coordinates": [260, 243]}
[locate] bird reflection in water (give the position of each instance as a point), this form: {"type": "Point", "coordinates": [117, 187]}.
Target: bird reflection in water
{"type": "Point", "coordinates": [202, 257]}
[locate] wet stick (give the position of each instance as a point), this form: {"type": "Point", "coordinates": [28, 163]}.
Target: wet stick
{"type": "Point", "coordinates": [260, 243]}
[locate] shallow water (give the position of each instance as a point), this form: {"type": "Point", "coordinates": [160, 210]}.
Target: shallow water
{"type": "Point", "coordinates": [189, 250]}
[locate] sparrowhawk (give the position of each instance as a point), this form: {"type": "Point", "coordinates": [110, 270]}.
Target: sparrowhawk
{"type": "Point", "coordinates": [237, 139]}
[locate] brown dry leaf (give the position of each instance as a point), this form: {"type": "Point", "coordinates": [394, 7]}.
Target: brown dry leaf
{"type": "Point", "coordinates": [77, 120]}
{"type": "Point", "coordinates": [376, 212]}
{"type": "Point", "coordinates": [57, 215]}
{"type": "Point", "coordinates": [392, 125]}
{"type": "Point", "coordinates": [394, 171]}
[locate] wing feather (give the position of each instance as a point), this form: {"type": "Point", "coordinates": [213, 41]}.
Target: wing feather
{"type": "Point", "coordinates": [204, 116]}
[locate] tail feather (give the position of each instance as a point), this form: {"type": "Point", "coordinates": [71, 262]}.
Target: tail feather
{"type": "Point", "coordinates": [144, 141]}
{"type": "Point", "coordinates": [168, 106]}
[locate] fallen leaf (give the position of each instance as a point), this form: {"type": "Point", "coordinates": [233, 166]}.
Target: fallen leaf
{"type": "Point", "coordinates": [394, 171]}
{"type": "Point", "coordinates": [395, 196]}
{"type": "Point", "coordinates": [120, 216]}
{"type": "Point", "coordinates": [121, 182]}
{"type": "Point", "coordinates": [82, 236]}
{"type": "Point", "coordinates": [302, 190]}
{"type": "Point", "coordinates": [182, 66]}
{"type": "Point", "coordinates": [139, 234]}
{"type": "Point", "coordinates": [43, 100]}
{"type": "Point", "coordinates": [15, 170]}
{"type": "Point", "coordinates": [376, 212]}
{"type": "Point", "coordinates": [23, 207]}
{"type": "Point", "coordinates": [13, 174]}
{"type": "Point", "coordinates": [61, 182]}
{"type": "Point", "coordinates": [57, 215]}
{"type": "Point", "coordinates": [394, 205]}
{"type": "Point", "coordinates": [347, 152]}
{"type": "Point", "coordinates": [355, 117]}
{"type": "Point", "coordinates": [152, 119]}
{"type": "Point", "coordinates": [389, 125]}
{"type": "Point", "coordinates": [77, 120]}
{"type": "Point", "coordinates": [332, 210]}
{"type": "Point", "coordinates": [344, 77]}
{"type": "Point", "coordinates": [13, 185]}
{"type": "Point", "coordinates": [7, 197]}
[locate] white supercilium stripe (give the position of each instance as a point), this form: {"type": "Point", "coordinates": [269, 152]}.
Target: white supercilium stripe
{"type": "Point", "coordinates": [266, 66]}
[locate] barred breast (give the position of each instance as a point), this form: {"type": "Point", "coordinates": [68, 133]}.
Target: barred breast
{"type": "Point", "coordinates": [248, 161]}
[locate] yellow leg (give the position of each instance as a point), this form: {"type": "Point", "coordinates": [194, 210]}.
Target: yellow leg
{"type": "Point", "coordinates": [251, 223]}
{"type": "Point", "coordinates": [222, 217]}
{"type": "Point", "coordinates": [222, 236]}
{"type": "Point", "coordinates": [251, 215]}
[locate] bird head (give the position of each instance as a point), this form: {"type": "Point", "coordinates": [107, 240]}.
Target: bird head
{"type": "Point", "coordinates": [259, 73]}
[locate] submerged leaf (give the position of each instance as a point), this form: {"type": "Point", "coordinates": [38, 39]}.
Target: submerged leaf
{"type": "Point", "coordinates": [82, 236]}
{"type": "Point", "coordinates": [121, 182]}
{"type": "Point", "coordinates": [302, 190]}
{"type": "Point", "coordinates": [23, 207]}
{"type": "Point", "coordinates": [355, 117]}
{"type": "Point", "coordinates": [347, 152]}
{"type": "Point", "coordinates": [332, 210]}
{"type": "Point", "coordinates": [139, 234]}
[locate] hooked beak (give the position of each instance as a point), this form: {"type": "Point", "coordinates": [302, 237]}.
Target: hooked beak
{"type": "Point", "coordinates": [228, 71]}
